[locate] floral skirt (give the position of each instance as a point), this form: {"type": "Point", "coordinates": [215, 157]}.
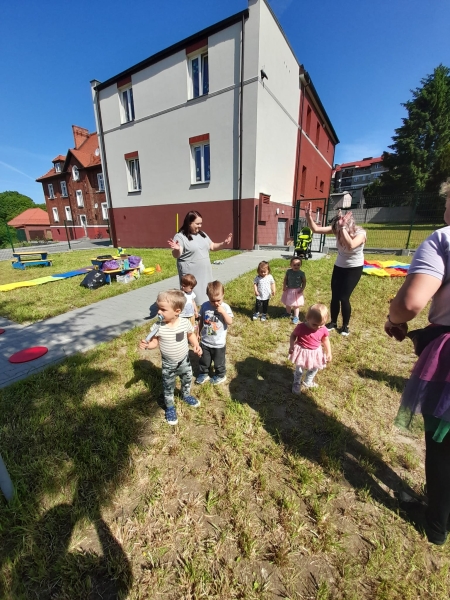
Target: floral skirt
{"type": "Point", "coordinates": [293, 297]}
{"type": "Point", "coordinates": [308, 359]}
{"type": "Point", "coordinates": [428, 389]}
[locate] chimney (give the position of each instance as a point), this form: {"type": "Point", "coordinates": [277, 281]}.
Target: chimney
{"type": "Point", "coordinates": [80, 135]}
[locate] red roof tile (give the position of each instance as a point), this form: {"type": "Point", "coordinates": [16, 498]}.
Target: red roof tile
{"type": "Point", "coordinates": [85, 155]}
{"type": "Point", "coordinates": [359, 163]}
{"type": "Point", "coordinates": [31, 216]}
{"type": "Point", "coordinates": [59, 158]}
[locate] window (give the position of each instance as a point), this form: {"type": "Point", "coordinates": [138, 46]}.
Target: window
{"type": "Point", "coordinates": [199, 75]}
{"type": "Point", "coordinates": [63, 188]}
{"type": "Point", "coordinates": [51, 193]}
{"type": "Point", "coordinates": [318, 216]}
{"type": "Point", "coordinates": [55, 215]}
{"type": "Point", "coordinates": [58, 167]}
{"type": "Point", "coordinates": [134, 175]}
{"type": "Point", "coordinates": [101, 183]}
{"type": "Point", "coordinates": [104, 211]}
{"type": "Point", "coordinates": [317, 179]}
{"type": "Point", "coordinates": [321, 186]}
{"type": "Point", "coordinates": [127, 102]}
{"type": "Point", "coordinates": [303, 182]}
{"type": "Point", "coordinates": [308, 120]}
{"type": "Point", "coordinates": [75, 173]}
{"type": "Point", "coordinates": [317, 134]}
{"type": "Point", "coordinates": [80, 201]}
{"type": "Point", "coordinates": [201, 167]}
{"type": "Point", "coordinates": [68, 213]}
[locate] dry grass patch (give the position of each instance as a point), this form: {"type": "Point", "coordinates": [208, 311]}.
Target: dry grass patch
{"type": "Point", "coordinates": [256, 494]}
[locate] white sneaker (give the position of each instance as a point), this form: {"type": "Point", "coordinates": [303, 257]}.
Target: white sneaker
{"type": "Point", "coordinates": [313, 384]}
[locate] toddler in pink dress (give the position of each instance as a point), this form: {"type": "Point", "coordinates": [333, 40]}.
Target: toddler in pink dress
{"type": "Point", "coordinates": [309, 347]}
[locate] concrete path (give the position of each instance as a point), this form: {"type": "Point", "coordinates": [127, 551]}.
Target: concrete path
{"type": "Point", "coordinates": [81, 244]}
{"type": "Point", "coordinates": [84, 328]}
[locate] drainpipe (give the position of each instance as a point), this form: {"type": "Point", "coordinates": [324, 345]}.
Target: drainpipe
{"type": "Point", "coordinates": [303, 85]}
{"type": "Point", "coordinates": [241, 102]}
{"type": "Point", "coordinates": [98, 114]}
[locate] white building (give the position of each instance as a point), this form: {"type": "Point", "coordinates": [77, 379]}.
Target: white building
{"type": "Point", "coordinates": [212, 123]}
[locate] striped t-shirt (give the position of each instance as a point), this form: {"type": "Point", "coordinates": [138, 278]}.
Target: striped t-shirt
{"type": "Point", "coordinates": [173, 341]}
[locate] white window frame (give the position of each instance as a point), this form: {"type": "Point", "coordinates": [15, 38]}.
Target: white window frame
{"type": "Point", "coordinates": [80, 199]}
{"type": "Point", "coordinates": [127, 114]}
{"type": "Point", "coordinates": [200, 56]}
{"type": "Point", "coordinates": [55, 214]}
{"type": "Point", "coordinates": [75, 173]}
{"type": "Point", "coordinates": [63, 185]}
{"type": "Point", "coordinates": [101, 182]}
{"type": "Point", "coordinates": [68, 213]}
{"type": "Point", "coordinates": [51, 191]}
{"type": "Point", "coordinates": [134, 175]}
{"type": "Point", "coordinates": [198, 152]}
{"type": "Point", "coordinates": [58, 167]}
{"type": "Point", "coordinates": [104, 206]}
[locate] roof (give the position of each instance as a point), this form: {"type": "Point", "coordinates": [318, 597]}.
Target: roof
{"type": "Point", "coordinates": [360, 163]}
{"type": "Point", "coordinates": [175, 48]}
{"type": "Point", "coordinates": [85, 155]}
{"type": "Point", "coordinates": [31, 216]}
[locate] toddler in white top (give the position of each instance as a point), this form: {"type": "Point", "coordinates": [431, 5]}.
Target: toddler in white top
{"type": "Point", "coordinates": [190, 310]}
{"type": "Point", "coordinates": [264, 287]}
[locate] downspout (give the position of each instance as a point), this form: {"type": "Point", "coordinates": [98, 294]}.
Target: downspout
{"type": "Point", "coordinates": [241, 102]}
{"type": "Point", "coordinates": [303, 85]}
{"type": "Point", "coordinates": [112, 225]}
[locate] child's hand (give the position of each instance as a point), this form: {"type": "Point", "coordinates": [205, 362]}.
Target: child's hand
{"type": "Point", "coordinates": [197, 350]}
{"type": "Point", "coordinates": [328, 357]}
{"type": "Point", "coordinates": [220, 309]}
{"type": "Point", "coordinates": [291, 349]}
{"type": "Point", "coordinates": [143, 345]}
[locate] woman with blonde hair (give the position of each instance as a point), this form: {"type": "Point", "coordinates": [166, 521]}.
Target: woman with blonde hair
{"type": "Point", "coordinates": [348, 268]}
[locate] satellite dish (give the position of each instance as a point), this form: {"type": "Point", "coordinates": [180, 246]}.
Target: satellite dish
{"type": "Point", "coordinates": [97, 152]}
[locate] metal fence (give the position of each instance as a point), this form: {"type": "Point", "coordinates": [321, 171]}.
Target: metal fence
{"type": "Point", "coordinates": [391, 222]}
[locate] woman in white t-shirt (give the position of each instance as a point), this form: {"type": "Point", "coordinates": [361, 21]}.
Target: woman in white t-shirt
{"type": "Point", "coordinates": [348, 268]}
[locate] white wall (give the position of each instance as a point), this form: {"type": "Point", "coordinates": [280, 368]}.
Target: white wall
{"type": "Point", "coordinates": [278, 110]}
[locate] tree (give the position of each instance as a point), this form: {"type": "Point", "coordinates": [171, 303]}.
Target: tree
{"type": "Point", "coordinates": [11, 205]}
{"type": "Point", "coordinates": [420, 157]}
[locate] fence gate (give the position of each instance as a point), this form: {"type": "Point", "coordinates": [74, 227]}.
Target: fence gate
{"type": "Point", "coordinates": [319, 209]}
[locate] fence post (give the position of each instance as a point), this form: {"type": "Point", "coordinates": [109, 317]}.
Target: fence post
{"type": "Point", "coordinates": [296, 218]}
{"type": "Point", "coordinates": [413, 217]}
{"type": "Point", "coordinates": [109, 233]}
{"type": "Point", "coordinates": [67, 234]}
{"type": "Point", "coordinates": [324, 224]}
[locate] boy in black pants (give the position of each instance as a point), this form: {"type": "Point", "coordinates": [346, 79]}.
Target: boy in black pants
{"type": "Point", "coordinates": [215, 316]}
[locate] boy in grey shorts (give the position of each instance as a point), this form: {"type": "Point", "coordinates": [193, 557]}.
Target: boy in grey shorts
{"type": "Point", "coordinates": [172, 338]}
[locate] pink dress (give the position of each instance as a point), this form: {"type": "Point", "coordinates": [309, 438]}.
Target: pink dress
{"type": "Point", "coordinates": [308, 353]}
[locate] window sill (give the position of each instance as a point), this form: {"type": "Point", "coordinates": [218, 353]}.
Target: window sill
{"type": "Point", "coordinates": [202, 97]}
{"type": "Point", "coordinates": [200, 183]}
{"type": "Point", "coordinates": [127, 123]}
{"type": "Point", "coordinates": [134, 191]}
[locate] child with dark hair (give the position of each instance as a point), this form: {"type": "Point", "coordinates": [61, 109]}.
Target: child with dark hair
{"type": "Point", "coordinates": [264, 287]}
{"type": "Point", "coordinates": [215, 317]}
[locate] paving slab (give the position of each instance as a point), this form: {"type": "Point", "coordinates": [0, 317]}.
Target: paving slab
{"type": "Point", "coordinates": [84, 328]}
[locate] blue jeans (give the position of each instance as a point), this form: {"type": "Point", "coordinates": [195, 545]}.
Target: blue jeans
{"type": "Point", "coordinates": [170, 370]}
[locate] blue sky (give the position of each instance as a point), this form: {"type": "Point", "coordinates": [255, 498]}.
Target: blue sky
{"type": "Point", "coordinates": [363, 57]}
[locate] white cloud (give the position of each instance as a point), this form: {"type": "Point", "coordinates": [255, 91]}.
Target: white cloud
{"type": "Point", "coordinates": [16, 170]}
{"type": "Point", "coordinates": [280, 6]}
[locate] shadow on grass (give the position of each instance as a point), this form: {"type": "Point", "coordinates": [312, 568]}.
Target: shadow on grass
{"type": "Point", "coordinates": [306, 430]}
{"type": "Point", "coordinates": [395, 382]}
{"type": "Point", "coordinates": [67, 452]}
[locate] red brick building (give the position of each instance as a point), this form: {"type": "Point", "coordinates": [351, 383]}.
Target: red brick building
{"type": "Point", "coordinates": [74, 191]}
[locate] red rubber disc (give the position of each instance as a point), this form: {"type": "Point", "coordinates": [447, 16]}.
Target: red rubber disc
{"type": "Point", "coordinates": [28, 354]}
{"type": "Point", "coordinates": [2, 331]}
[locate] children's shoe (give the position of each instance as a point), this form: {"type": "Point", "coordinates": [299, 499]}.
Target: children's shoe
{"type": "Point", "coordinates": [331, 325]}
{"type": "Point", "coordinates": [218, 379]}
{"type": "Point", "coordinates": [295, 321]}
{"type": "Point", "coordinates": [344, 330]}
{"type": "Point", "coordinates": [263, 318]}
{"type": "Point", "coordinates": [313, 384]}
{"type": "Point", "coordinates": [171, 415]}
{"type": "Point", "coordinates": [202, 378]}
{"type": "Point", "coordinates": [191, 401]}
{"type": "Point", "coordinates": [296, 388]}
{"type": "Point", "coordinates": [286, 316]}
{"type": "Point", "coordinates": [255, 317]}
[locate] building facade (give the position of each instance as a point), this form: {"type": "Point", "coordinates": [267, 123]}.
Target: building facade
{"type": "Point", "coordinates": [74, 191]}
{"type": "Point", "coordinates": [225, 122]}
{"type": "Point", "coordinates": [32, 224]}
{"type": "Point", "coordinates": [355, 177]}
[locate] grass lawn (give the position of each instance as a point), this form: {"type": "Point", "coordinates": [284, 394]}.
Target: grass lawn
{"type": "Point", "coordinates": [380, 235]}
{"type": "Point", "coordinates": [257, 494]}
{"type": "Point", "coordinates": [27, 305]}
